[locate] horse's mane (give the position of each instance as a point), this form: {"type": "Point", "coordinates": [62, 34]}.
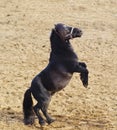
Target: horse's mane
{"type": "Point", "coordinates": [60, 48]}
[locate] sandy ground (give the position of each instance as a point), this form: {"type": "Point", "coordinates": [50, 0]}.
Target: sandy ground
{"type": "Point", "coordinates": [25, 26]}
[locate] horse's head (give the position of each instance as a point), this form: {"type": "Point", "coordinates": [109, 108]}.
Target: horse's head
{"type": "Point", "coordinates": [67, 32]}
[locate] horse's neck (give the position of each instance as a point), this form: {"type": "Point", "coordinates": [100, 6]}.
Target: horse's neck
{"type": "Point", "coordinates": [59, 49]}
{"type": "Point", "coordinates": [58, 45]}
{"type": "Point", "coordinates": [58, 57]}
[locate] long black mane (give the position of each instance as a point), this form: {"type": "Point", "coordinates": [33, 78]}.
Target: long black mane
{"type": "Point", "coordinates": [59, 48]}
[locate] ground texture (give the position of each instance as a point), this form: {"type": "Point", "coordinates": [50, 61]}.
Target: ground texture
{"type": "Point", "coordinates": [25, 26]}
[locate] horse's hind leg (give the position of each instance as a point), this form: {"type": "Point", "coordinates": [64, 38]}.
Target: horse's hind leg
{"type": "Point", "coordinates": [36, 110]}
{"type": "Point", "coordinates": [44, 110]}
{"type": "Point", "coordinates": [43, 96]}
{"type": "Point", "coordinates": [43, 107]}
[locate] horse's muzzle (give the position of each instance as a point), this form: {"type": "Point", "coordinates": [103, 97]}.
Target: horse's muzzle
{"type": "Point", "coordinates": [77, 33]}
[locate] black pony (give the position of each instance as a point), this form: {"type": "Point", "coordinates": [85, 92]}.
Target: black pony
{"type": "Point", "coordinates": [63, 63]}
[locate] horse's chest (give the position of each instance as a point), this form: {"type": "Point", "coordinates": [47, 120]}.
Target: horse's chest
{"type": "Point", "coordinates": [60, 79]}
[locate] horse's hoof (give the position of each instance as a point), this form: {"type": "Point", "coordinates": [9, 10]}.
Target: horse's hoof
{"type": "Point", "coordinates": [50, 121]}
{"type": "Point", "coordinates": [42, 123]}
{"type": "Point", "coordinates": [29, 121]}
{"type": "Point", "coordinates": [85, 85]}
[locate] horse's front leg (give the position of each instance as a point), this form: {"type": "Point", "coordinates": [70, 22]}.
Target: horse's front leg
{"type": "Point", "coordinates": [82, 64]}
{"type": "Point", "coordinates": [81, 68]}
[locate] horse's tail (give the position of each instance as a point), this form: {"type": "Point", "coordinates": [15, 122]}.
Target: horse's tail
{"type": "Point", "coordinates": [28, 108]}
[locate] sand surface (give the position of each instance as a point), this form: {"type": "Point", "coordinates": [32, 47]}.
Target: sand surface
{"type": "Point", "coordinates": [25, 26]}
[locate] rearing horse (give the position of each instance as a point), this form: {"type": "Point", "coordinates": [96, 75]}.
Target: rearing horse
{"type": "Point", "coordinates": [63, 63]}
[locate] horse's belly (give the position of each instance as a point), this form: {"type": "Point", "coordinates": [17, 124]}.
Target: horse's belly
{"type": "Point", "coordinates": [60, 80]}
